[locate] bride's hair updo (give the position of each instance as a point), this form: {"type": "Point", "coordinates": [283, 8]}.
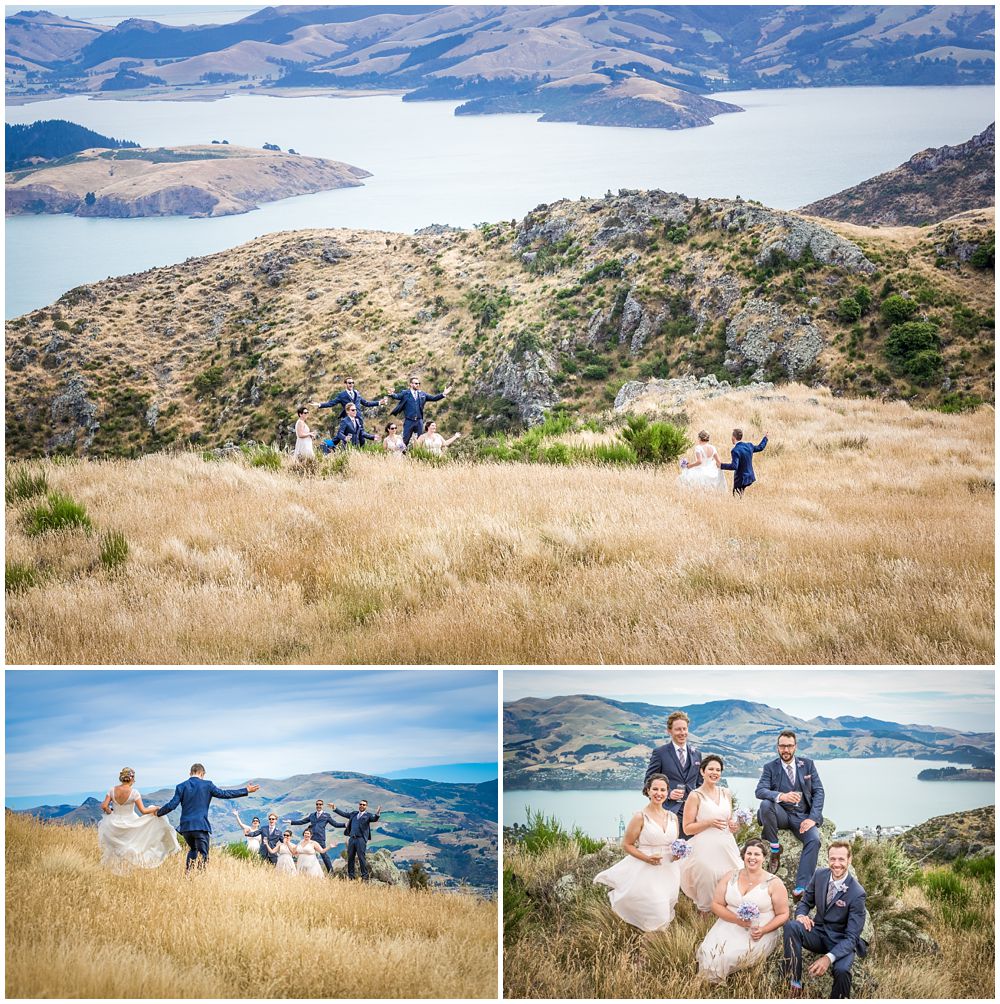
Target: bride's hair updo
{"type": "Point", "coordinates": [126, 775]}
{"type": "Point", "coordinates": [703, 436]}
{"type": "Point", "coordinates": [651, 779]}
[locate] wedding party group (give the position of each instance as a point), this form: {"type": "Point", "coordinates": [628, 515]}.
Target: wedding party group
{"type": "Point", "coordinates": [705, 471]}
{"type": "Point", "coordinates": [683, 842]}
{"type": "Point", "coordinates": [351, 430]}
{"type": "Point", "coordinates": [136, 835]}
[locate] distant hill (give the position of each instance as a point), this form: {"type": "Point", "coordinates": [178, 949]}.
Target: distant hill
{"type": "Point", "coordinates": [452, 828]}
{"type": "Point", "coordinates": [568, 62]}
{"type": "Point", "coordinates": [931, 186]}
{"type": "Point", "coordinates": [967, 834]}
{"type": "Point", "coordinates": [209, 180]}
{"type": "Point", "coordinates": [51, 139]}
{"type": "Point", "coordinates": [583, 741]}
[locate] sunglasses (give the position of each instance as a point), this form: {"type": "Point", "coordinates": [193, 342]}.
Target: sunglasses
{"type": "Point", "coordinates": [392, 428]}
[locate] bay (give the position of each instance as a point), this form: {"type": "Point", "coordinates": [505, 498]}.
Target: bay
{"type": "Point", "coordinates": [859, 793]}
{"type": "Point", "coordinates": [788, 148]}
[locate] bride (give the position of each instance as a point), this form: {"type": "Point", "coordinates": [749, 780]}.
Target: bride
{"type": "Point", "coordinates": [145, 841]}
{"type": "Point", "coordinates": [645, 884]}
{"type": "Point", "coordinates": [703, 471]}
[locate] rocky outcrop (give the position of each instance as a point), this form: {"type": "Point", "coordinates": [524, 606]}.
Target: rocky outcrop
{"type": "Point", "coordinates": [527, 382]}
{"type": "Point", "coordinates": [761, 334]}
{"type": "Point", "coordinates": [73, 416]}
{"type": "Point", "coordinates": [383, 869]}
{"type": "Point", "coordinates": [653, 396]}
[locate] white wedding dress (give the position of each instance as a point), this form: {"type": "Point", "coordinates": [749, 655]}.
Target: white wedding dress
{"type": "Point", "coordinates": [706, 476]}
{"type": "Point", "coordinates": [728, 947]}
{"type": "Point", "coordinates": [129, 840]}
{"type": "Point", "coordinates": [642, 894]}
{"type": "Point", "coordinates": [713, 852]}
{"type": "Point", "coordinates": [308, 862]}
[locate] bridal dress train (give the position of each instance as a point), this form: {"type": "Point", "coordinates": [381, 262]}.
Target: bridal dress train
{"type": "Point", "coordinates": [642, 894]}
{"type": "Point", "coordinates": [728, 947]}
{"type": "Point", "coordinates": [129, 840]}
{"type": "Point", "coordinates": [713, 852]}
{"type": "Point", "coordinates": [706, 476]}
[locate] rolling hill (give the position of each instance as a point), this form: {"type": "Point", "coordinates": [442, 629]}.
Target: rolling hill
{"type": "Point", "coordinates": [451, 828]}
{"type": "Point", "coordinates": [568, 62]}
{"type": "Point", "coordinates": [583, 741]}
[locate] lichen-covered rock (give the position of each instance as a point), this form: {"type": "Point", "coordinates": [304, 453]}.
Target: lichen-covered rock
{"type": "Point", "coordinates": [761, 334]}
{"type": "Point", "coordinates": [383, 869]}
{"type": "Point", "coordinates": [73, 413]}
{"type": "Point", "coordinates": [658, 396]}
{"type": "Point", "coordinates": [526, 381]}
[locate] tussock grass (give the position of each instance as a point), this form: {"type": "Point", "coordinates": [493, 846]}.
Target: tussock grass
{"type": "Point", "coordinates": [238, 930]}
{"type": "Point", "coordinates": [873, 555]}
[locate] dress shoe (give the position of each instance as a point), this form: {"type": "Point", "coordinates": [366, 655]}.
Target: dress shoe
{"type": "Point", "coordinates": [774, 861]}
{"type": "Point", "coordinates": [797, 894]}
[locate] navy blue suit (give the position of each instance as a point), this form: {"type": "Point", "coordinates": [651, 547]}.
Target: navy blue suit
{"type": "Point", "coordinates": [742, 464]}
{"type": "Point", "coordinates": [412, 407]}
{"type": "Point", "coordinates": [837, 929]}
{"type": "Point", "coordinates": [266, 835]}
{"type": "Point", "coordinates": [318, 822]}
{"type": "Point", "coordinates": [663, 760]}
{"type": "Point", "coordinates": [358, 834]}
{"type": "Point", "coordinates": [351, 432]}
{"type": "Point", "coordinates": [194, 797]}
{"type": "Point", "coordinates": [776, 816]}
{"type": "Point", "coordinates": [346, 397]}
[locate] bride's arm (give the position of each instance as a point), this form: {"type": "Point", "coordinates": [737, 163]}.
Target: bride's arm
{"type": "Point", "coordinates": [106, 804]}
{"type": "Point", "coordinates": [143, 810]}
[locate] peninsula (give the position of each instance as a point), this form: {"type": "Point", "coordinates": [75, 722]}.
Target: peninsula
{"type": "Point", "coordinates": [210, 180]}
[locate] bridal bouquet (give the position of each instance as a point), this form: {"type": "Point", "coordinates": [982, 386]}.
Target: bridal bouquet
{"type": "Point", "coordinates": [680, 849]}
{"type": "Point", "coordinates": [684, 463]}
{"type": "Point", "coordinates": [743, 816]}
{"type": "Point", "coordinates": [748, 911]}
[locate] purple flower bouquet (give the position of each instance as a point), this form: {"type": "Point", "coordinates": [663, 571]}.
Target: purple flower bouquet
{"type": "Point", "coordinates": [680, 849]}
{"type": "Point", "coordinates": [684, 464]}
{"type": "Point", "coordinates": [748, 911]}
{"type": "Point", "coordinates": [743, 816]}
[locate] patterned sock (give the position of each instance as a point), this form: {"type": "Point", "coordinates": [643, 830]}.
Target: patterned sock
{"type": "Point", "coordinates": [775, 848]}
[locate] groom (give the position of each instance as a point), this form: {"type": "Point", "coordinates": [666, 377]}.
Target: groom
{"type": "Point", "coordinates": [791, 798]}
{"type": "Point", "coordinates": [194, 797]}
{"type": "Point", "coordinates": [741, 462]}
{"type": "Point", "coordinates": [680, 762]}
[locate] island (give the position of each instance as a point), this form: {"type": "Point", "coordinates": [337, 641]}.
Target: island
{"type": "Point", "coordinates": [197, 181]}
{"type": "Point", "coordinates": [957, 774]}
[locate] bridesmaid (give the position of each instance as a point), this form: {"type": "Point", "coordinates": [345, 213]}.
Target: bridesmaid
{"type": "Point", "coordinates": [710, 827]}
{"type": "Point", "coordinates": [645, 884]}
{"type": "Point", "coordinates": [734, 943]}
{"type": "Point", "coordinates": [285, 851]}
{"type": "Point", "coordinates": [253, 843]}
{"type": "Point", "coordinates": [304, 437]}
{"type": "Point", "coordinates": [306, 854]}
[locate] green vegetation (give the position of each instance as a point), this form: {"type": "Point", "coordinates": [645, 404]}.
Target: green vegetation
{"type": "Point", "coordinates": [913, 348]}
{"type": "Point", "coordinates": [209, 380]}
{"type": "Point", "coordinates": [896, 309]}
{"type": "Point", "coordinates": [114, 549]}
{"type": "Point", "coordinates": [654, 442]}
{"type": "Point", "coordinates": [544, 832]}
{"type": "Point", "coordinates": [22, 483]}
{"type": "Point", "coordinates": [487, 305]}
{"type": "Point", "coordinates": [610, 269]}
{"type": "Point", "coordinates": [267, 457]}
{"type": "Point", "coordinates": [416, 876]}
{"type": "Point", "coordinates": [19, 576]}
{"type": "Point", "coordinates": [983, 256]}
{"type": "Point", "coordinates": [57, 512]}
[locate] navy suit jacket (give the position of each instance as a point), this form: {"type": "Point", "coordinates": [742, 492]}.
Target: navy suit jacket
{"type": "Point", "coordinates": [318, 822]}
{"type": "Point", "coordinates": [843, 920]}
{"type": "Point", "coordinates": [352, 432]}
{"type": "Point", "coordinates": [194, 797]}
{"type": "Point", "coordinates": [266, 836]}
{"type": "Point", "coordinates": [663, 760]}
{"type": "Point", "coordinates": [364, 822]}
{"type": "Point", "coordinates": [773, 781]}
{"type": "Point", "coordinates": [413, 408]}
{"type": "Point", "coordinates": [742, 463]}
{"type": "Point", "coordinates": [346, 397]}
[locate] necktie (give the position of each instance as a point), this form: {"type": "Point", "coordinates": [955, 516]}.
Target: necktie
{"type": "Point", "coordinates": [831, 892]}
{"type": "Point", "coordinates": [790, 771]}
{"type": "Point", "coordinates": [683, 757]}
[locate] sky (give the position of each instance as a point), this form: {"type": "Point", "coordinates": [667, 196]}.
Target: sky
{"type": "Point", "coordinates": [172, 14]}
{"type": "Point", "coordinates": [73, 730]}
{"type": "Point", "coordinates": [950, 698]}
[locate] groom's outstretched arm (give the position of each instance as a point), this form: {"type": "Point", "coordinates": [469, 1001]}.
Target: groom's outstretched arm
{"type": "Point", "coordinates": [172, 804]}
{"type": "Point", "coordinates": [760, 446]}
{"type": "Point", "coordinates": [229, 792]}
{"type": "Point", "coordinates": [731, 466]}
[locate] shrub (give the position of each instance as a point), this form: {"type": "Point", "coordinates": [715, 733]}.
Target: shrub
{"type": "Point", "coordinates": [417, 877]}
{"type": "Point", "coordinates": [980, 869]}
{"type": "Point", "coordinates": [19, 576]}
{"type": "Point", "coordinates": [654, 442]}
{"type": "Point", "coordinates": [863, 298]}
{"type": "Point", "coordinates": [983, 256]}
{"type": "Point", "coordinates": [924, 366]}
{"type": "Point", "coordinates": [612, 453]}
{"type": "Point", "coordinates": [543, 832]}
{"type": "Point", "coordinates": [264, 456]}
{"type": "Point", "coordinates": [238, 849]}
{"type": "Point", "coordinates": [612, 268]}
{"type": "Point", "coordinates": [913, 347]}
{"type": "Point", "coordinates": [23, 483]}
{"type": "Point", "coordinates": [57, 512]}
{"type": "Point", "coordinates": [944, 885]}
{"type": "Point", "coordinates": [415, 452]}
{"type": "Point", "coordinates": [595, 371]}
{"type": "Point", "coordinates": [848, 309]}
{"type": "Point", "coordinates": [955, 402]}
{"type": "Point", "coordinates": [336, 464]}
{"type": "Point", "coordinates": [114, 549]}
{"type": "Point", "coordinates": [517, 905]}
{"type": "Point", "coordinates": [205, 383]}
{"type": "Point", "coordinates": [896, 309]}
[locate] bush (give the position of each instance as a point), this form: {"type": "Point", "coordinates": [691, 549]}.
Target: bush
{"type": "Point", "coordinates": [263, 456]}
{"type": "Point", "coordinates": [114, 549]}
{"type": "Point", "coordinates": [415, 452]}
{"type": "Point", "coordinates": [23, 484]}
{"type": "Point", "coordinates": [849, 309]}
{"type": "Point", "coordinates": [517, 905]}
{"type": "Point", "coordinates": [983, 256]}
{"type": "Point", "coordinates": [654, 442]}
{"type": "Point", "coordinates": [863, 298]}
{"type": "Point", "coordinates": [595, 371]}
{"type": "Point", "coordinates": [18, 576]}
{"type": "Point", "coordinates": [612, 453]}
{"type": "Point", "coordinates": [955, 402]}
{"type": "Point", "coordinates": [543, 832]}
{"type": "Point", "coordinates": [980, 869]}
{"type": "Point", "coordinates": [417, 877]}
{"type": "Point", "coordinates": [944, 885]}
{"type": "Point", "coordinates": [238, 849]}
{"type": "Point", "coordinates": [612, 268]}
{"type": "Point", "coordinates": [205, 383]}
{"type": "Point", "coordinates": [924, 366]}
{"type": "Point", "coordinates": [913, 347]}
{"type": "Point", "coordinates": [896, 309]}
{"type": "Point", "coordinates": [57, 512]}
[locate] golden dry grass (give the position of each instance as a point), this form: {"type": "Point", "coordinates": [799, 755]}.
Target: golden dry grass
{"type": "Point", "coordinates": [867, 539]}
{"type": "Point", "coordinates": [576, 948]}
{"type": "Point", "coordinates": [239, 930]}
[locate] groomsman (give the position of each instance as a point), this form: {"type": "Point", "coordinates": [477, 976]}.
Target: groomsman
{"type": "Point", "coordinates": [411, 404]}
{"type": "Point", "coordinates": [791, 798]}
{"type": "Point", "coordinates": [318, 821]}
{"type": "Point", "coordinates": [680, 762]}
{"type": "Point", "coordinates": [358, 834]}
{"type": "Point", "coordinates": [270, 835]}
{"type": "Point", "coordinates": [349, 396]}
{"type": "Point", "coordinates": [839, 900]}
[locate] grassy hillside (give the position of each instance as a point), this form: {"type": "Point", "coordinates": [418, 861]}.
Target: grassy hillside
{"type": "Point", "coordinates": [867, 539]}
{"type": "Point", "coordinates": [239, 930]}
{"type": "Point", "coordinates": [559, 309]}
{"type": "Point", "coordinates": [933, 931]}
